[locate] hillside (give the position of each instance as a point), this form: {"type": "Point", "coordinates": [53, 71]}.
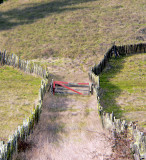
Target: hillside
{"type": "Point", "coordinates": [77, 28]}
{"type": "Point", "coordinates": [69, 36]}
{"type": "Point", "coordinates": [69, 33]}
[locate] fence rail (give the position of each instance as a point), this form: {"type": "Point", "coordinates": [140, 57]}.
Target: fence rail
{"type": "Point", "coordinates": [108, 119]}
{"type": "Point", "coordinates": [8, 149]}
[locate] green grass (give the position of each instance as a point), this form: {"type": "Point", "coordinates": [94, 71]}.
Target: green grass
{"type": "Point", "coordinates": [44, 28]}
{"type": "Point", "coordinates": [18, 92]}
{"type": "Point", "coordinates": [123, 88]}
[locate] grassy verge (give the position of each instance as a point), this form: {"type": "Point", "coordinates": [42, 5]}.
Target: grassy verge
{"type": "Point", "coordinates": [18, 92]}
{"type": "Point", "coordinates": [123, 88]}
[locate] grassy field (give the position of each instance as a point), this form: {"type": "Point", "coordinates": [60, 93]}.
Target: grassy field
{"type": "Point", "coordinates": [62, 29]}
{"type": "Point", "coordinates": [18, 92]}
{"type": "Point", "coordinates": [75, 28]}
{"type": "Point", "coordinates": [123, 88]}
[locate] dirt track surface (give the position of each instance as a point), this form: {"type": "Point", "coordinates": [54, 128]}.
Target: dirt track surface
{"type": "Point", "coordinates": [69, 127]}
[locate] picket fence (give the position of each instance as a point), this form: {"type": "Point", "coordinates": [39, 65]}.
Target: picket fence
{"type": "Point", "coordinates": [109, 121]}
{"type": "Point", "coordinates": [8, 149]}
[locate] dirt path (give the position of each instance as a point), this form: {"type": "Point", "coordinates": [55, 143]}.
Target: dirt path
{"type": "Point", "coordinates": [69, 129]}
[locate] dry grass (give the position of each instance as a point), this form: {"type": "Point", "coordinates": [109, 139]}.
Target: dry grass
{"type": "Point", "coordinates": [18, 92]}
{"type": "Point", "coordinates": [77, 28]}
{"type": "Point", "coordinates": [123, 88]}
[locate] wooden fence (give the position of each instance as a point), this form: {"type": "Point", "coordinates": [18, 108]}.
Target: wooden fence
{"type": "Point", "coordinates": [138, 146]}
{"type": "Point", "coordinates": [8, 149]}
{"type": "Point", "coordinates": [122, 50]}
{"type": "Point", "coordinates": [108, 119]}
{"type": "Point", "coordinates": [25, 65]}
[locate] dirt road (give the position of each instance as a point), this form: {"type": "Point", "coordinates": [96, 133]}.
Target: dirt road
{"type": "Point", "coordinates": [69, 127]}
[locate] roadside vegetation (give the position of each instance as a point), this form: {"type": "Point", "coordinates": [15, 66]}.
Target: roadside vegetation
{"type": "Point", "coordinates": [18, 92]}
{"type": "Point", "coordinates": [123, 88]}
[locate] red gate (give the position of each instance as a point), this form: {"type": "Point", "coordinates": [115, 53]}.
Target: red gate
{"type": "Point", "coordinates": [59, 87]}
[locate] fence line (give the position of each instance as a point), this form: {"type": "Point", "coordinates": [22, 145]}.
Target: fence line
{"type": "Point", "coordinates": [7, 150]}
{"type": "Point", "coordinates": [25, 65]}
{"type": "Point", "coordinates": [122, 50]}
{"type": "Point", "coordinates": [108, 119]}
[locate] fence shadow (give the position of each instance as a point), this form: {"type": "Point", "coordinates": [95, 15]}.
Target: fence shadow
{"type": "Point", "coordinates": [107, 89]}
{"type": "Point", "coordinates": [35, 11]}
{"type": "Point", "coordinates": [108, 71]}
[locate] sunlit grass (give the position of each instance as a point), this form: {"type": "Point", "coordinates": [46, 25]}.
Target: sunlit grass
{"type": "Point", "coordinates": [123, 87]}
{"type": "Point", "coordinates": [18, 92]}
{"type": "Point", "coordinates": [42, 28]}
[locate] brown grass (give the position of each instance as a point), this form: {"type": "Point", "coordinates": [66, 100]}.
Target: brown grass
{"type": "Point", "coordinates": [83, 28]}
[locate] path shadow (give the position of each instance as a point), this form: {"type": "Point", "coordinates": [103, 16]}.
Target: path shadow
{"type": "Point", "coordinates": [27, 14]}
